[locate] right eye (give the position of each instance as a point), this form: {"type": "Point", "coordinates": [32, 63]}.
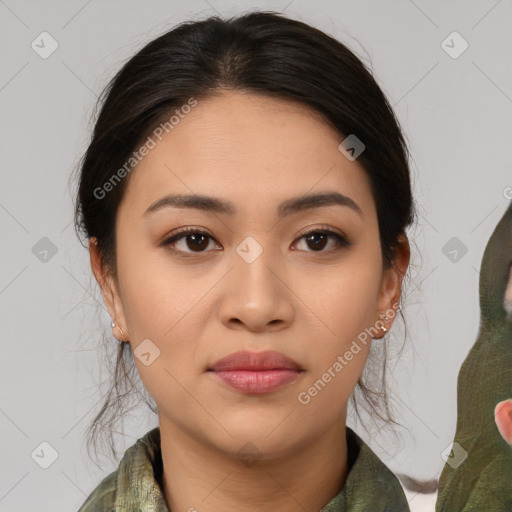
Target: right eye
{"type": "Point", "coordinates": [194, 239]}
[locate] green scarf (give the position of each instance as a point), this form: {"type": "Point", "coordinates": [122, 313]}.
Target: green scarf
{"type": "Point", "coordinates": [136, 485]}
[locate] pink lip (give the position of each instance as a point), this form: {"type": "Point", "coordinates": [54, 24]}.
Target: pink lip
{"type": "Point", "coordinates": [256, 372]}
{"type": "Point", "coordinates": [244, 360]}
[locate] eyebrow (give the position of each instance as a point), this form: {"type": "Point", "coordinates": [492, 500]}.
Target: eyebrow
{"type": "Point", "coordinates": [216, 205]}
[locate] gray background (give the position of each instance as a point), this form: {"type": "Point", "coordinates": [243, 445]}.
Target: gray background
{"type": "Point", "coordinates": [456, 115]}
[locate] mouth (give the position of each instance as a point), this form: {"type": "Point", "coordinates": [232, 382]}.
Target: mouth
{"type": "Point", "coordinates": [257, 382]}
{"type": "Point", "coordinates": [256, 372]}
{"type": "Point", "coordinates": [255, 361]}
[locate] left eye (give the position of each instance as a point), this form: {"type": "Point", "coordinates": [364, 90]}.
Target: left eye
{"type": "Point", "coordinates": [197, 241]}
{"type": "Point", "coordinates": [318, 239]}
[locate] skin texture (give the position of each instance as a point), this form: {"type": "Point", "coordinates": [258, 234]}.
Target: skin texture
{"type": "Point", "coordinates": [197, 307]}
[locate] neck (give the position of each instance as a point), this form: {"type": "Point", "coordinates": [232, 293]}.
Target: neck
{"type": "Point", "coordinates": [198, 476]}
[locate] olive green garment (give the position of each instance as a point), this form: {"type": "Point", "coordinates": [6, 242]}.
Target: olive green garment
{"type": "Point", "coordinates": [136, 485]}
{"type": "Point", "coordinates": [478, 475]}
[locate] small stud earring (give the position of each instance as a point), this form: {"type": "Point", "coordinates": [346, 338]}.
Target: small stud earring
{"type": "Point", "coordinates": [113, 324]}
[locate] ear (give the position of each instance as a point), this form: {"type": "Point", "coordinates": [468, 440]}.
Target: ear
{"type": "Point", "coordinates": [392, 278]}
{"type": "Point", "coordinates": [109, 291]}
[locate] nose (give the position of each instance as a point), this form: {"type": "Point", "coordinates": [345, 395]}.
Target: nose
{"type": "Point", "coordinates": [256, 295]}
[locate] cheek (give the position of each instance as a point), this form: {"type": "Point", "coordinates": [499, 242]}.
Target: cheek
{"type": "Point", "coordinates": [164, 318]}
{"type": "Point", "coordinates": [342, 306]}
{"type": "Point", "coordinates": [326, 392]}
{"type": "Point", "coordinates": [155, 295]}
{"type": "Point", "coordinates": [162, 313]}
{"type": "Point", "coordinates": [343, 300]}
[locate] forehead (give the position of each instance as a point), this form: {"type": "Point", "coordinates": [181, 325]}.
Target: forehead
{"type": "Point", "coordinates": [251, 148]}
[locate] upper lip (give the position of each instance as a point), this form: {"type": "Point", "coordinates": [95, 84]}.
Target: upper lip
{"type": "Point", "coordinates": [243, 360]}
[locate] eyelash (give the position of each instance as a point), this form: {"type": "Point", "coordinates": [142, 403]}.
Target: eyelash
{"type": "Point", "coordinates": [341, 240]}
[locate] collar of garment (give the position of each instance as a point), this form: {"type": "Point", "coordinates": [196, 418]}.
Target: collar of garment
{"type": "Point", "coordinates": [137, 483]}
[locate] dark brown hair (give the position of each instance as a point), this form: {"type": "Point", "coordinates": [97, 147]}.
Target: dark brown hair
{"type": "Point", "coordinates": [263, 53]}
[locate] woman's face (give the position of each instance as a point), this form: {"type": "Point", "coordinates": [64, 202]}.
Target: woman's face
{"type": "Point", "coordinates": [255, 282]}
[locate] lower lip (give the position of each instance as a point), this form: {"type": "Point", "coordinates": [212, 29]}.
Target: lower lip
{"type": "Point", "coordinates": [258, 382]}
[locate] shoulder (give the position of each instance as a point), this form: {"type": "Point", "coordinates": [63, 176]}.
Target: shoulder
{"type": "Point", "coordinates": [371, 481]}
{"type": "Point", "coordinates": [136, 476]}
{"type": "Point", "coordinates": [103, 497]}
